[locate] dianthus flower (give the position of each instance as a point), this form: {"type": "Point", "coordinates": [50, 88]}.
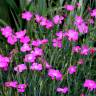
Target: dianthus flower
{"type": "Point", "coordinates": [25, 47]}
{"type": "Point", "coordinates": [93, 13]}
{"type": "Point", "coordinates": [49, 24]}
{"type": "Point", "coordinates": [63, 90]}
{"type": "Point", "coordinates": [25, 39]}
{"type": "Point", "coordinates": [29, 58]}
{"type": "Point", "coordinates": [37, 51]}
{"type": "Point", "coordinates": [20, 68]}
{"type": "Point", "coordinates": [36, 66]}
{"type": "Point", "coordinates": [84, 50]}
{"type": "Point", "coordinates": [80, 61]}
{"type": "Point", "coordinates": [58, 19]}
{"type": "Point", "coordinates": [12, 39]}
{"type": "Point", "coordinates": [43, 21]}
{"type": "Point", "coordinates": [76, 49]}
{"type": "Point", "coordinates": [60, 34]}
{"type": "Point", "coordinates": [21, 87]}
{"type": "Point", "coordinates": [92, 50]}
{"type": "Point", "coordinates": [57, 43]}
{"type": "Point", "coordinates": [72, 35]}
{"type": "Point", "coordinates": [90, 84]}
{"type": "Point", "coordinates": [4, 61]}
{"type": "Point", "coordinates": [55, 74]}
{"type": "Point", "coordinates": [72, 69]}
{"type": "Point", "coordinates": [27, 15]}
{"type": "Point", "coordinates": [38, 18]}
{"type": "Point", "coordinates": [83, 28]}
{"type": "Point", "coordinates": [69, 7]}
{"type": "Point", "coordinates": [20, 34]}
{"type": "Point", "coordinates": [44, 41]}
{"type": "Point", "coordinates": [12, 84]}
{"type": "Point", "coordinates": [36, 43]}
{"type": "Point", "coordinates": [6, 31]}
{"type": "Point", "coordinates": [78, 20]}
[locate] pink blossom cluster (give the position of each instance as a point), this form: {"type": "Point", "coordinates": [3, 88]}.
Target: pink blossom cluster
{"type": "Point", "coordinates": [57, 42]}
{"type": "Point", "coordinates": [83, 50]}
{"type": "Point", "coordinates": [35, 53]}
{"type": "Point", "coordinates": [38, 42]}
{"type": "Point", "coordinates": [43, 21]}
{"type": "Point", "coordinates": [55, 74]}
{"type": "Point", "coordinates": [7, 32]}
{"type": "Point", "coordinates": [81, 25]}
{"type": "Point", "coordinates": [12, 37]}
{"type": "Point", "coordinates": [14, 84]}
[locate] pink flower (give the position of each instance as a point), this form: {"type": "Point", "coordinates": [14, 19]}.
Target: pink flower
{"type": "Point", "coordinates": [20, 34]}
{"type": "Point", "coordinates": [91, 21]}
{"type": "Point", "coordinates": [36, 43]}
{"type": "Point", "coordinates": [27, 15]}
{"type": "Point", "coordinates": [76, 49]}
{"type": "Point", "coordinates": [47, 65]}
{"type": "Point", "coordinates": [93, 13]}
{"type": "Point", "coordinates": [21, 88]}
{"type": "Point", "coordinates": [81, 61]}
{"type": "Point", "coordinates": [4, 62]}
{"type": "Point", "coordinates": [29, 58]}
{"type": "Point", "coordinates": [37, 18]}
{"type": "Point", "coordinates": [57, 43]}
{"type": "Point", "coordinates": [63, 90]}
{"type": "Point", "coordinates": [78, 20]}
{"type": "Point", "coordinates": [6, 31]}
{"type": "Point", "coordinates": [25, 47]}
{"type": "Point", "coordinates": [20, 68]}
{"type": "Point", "coordinates": [12, 84]}
{"type": "Point", "coordinates": [55, 74]}
{"type": "Point", "coordinates": [83, 28]}
{"type": "Point", "coordinates": [12, 39]}
{"type": "Point", "coordinates": [58, 19]}
{"type": "Point", "coordinates": [37, 52]}
{"type": "Point", "coordinates": [25, 39]}
{"type": "Point", "coordinates": [72, 69]}
{"type": "Point", "coordinates": [49, 24]}
{"type": "Point", "coordinates": [3, 65]}
{"type": "Point", "coordinates": [84, 50]}
{"type": "Point", "coordinates": [72, 35]}
{"type": "Point", "coordinates": [43, 21]}
{"type": "Point", "coordinates": [36, 66]}
{"type": "Point", "coordinates": [81, 25]}
{"type": "Point", "coordinates": [90, 84]}
{"type": "Point", "coordinates": [44, 41]}
{"type": "Point", "coordinates": [60, 34]}
{"type": "Point", "coordinates": [69, 7]}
